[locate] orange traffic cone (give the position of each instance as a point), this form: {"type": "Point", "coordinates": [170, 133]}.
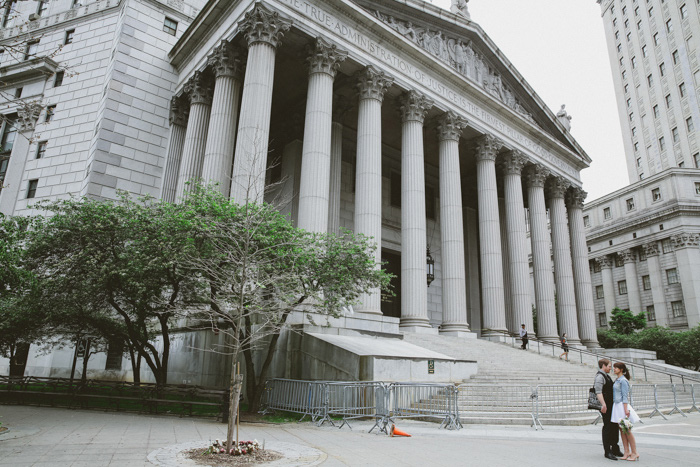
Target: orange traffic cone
{"type": "Point", "coordinates": [396, 432]}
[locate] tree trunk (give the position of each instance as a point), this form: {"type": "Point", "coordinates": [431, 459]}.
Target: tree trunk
{"type": "Point", "coordinates": [234, 399]}
{"type": "Point", "coordinates": [86, 359]}
{"type": "Point", "coordinates": [18, 360]}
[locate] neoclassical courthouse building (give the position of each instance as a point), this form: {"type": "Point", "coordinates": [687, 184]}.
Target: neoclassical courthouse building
{"type": "Point", "coordinates": [395, 119]}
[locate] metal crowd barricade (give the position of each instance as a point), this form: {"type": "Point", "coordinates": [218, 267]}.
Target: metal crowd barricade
{"type": "Point", "coordinates": [567, 399]}
{"type": "Point", "coordinates": [494, 401]}
{"type": "Point", "coordinates": [298, 396]}
{"type": "Point", "coordinates": [666, 398]}
{"type": "Point", "coordinates": [353, 400]}
{"type": "Point", "coordinates": [426, 400]}
{"type": "Point", "coordinates": [694, 400]}
{"type": "Point", "coordinates": [644, 397]}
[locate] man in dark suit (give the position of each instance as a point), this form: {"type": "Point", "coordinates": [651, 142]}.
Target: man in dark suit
{"type": "Point", "coordinates": [604, 391]}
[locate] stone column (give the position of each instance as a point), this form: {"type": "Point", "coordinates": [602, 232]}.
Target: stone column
{"type": "Point", "coordinates": [493, 306]}
{"type": "Point", "coordinates": [263, 30]}
{"type": "Point", "coordinates": [414, 290]}
{"type": "Point", "coordinates": [563, 268]}
{"type": "Point", "coordinates": [372, 84]}
{"type": "Point", "coordinates": [454, 278]}
{"type": "Point", "coordinates": [651, 250]}
{"type": "Point", "coordinates": [582, 272]}
{"type": "Point", "coordinates": [27, 116]}
{"type": "Point", "coordinates": [687, 253]}
{"type": "Point", "coordinates": [633, 296]}
{"type": "Point", "coordinates": [179, 110]}
{"type": "Point", "coordinates": [541, 256]}
{"type": "Point", "coordinates": [218, 155]}
{"type": "Point", "coordinates": [507, 302]}
{"type": "Point", "coordinates": [608, 285]}
{"type": "Point", "coordinates": [519, 269]}
{"type": "Point", "coordinates": [324, 60]}
{"type": "Point", "coordinates": [339, 109]}
{"type": "Point", "coordinates": [199, 90]}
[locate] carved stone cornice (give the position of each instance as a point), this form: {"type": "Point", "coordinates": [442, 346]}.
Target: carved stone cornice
{"type": "Point", "coordinates": [179, 111]}
{"type": "Point", "coordinates": [627, 256]}
{"type": "Point", "coordinates": [576, 197]}
{"type": "Point", "coordinates": [556, 187]}
{"type": "Point", "coordinates": [225, 61]}
{"type": "Point", "coordinates": [651, 249]}
{"type": "Point", "coordinates": [450, 126]}
{"type": "Point", "coordinates": [486, 148]}
{"type": "Point", "coordinates": [325, 57]}
{"type": "Point", "coordinates": [536, 175]}
{"type": "Point", "coordinates": [199, 89]}
{"type": "Point", "coordinates": [373, 83]}
{"type": "Point", "coordinates": [685, 240]}
{"type": "Point", "coordinates": [414, 106]}
{"type": "Point", "coordinates": [513, 162]}
{"type": "Point", "coordinates": [27, 116]}
{"type": "Point", "coordinates": [264, 25]}
{"type": "Point", "coordinates": [604, 262]}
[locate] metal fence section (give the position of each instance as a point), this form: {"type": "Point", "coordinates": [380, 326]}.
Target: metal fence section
{"type": "Point", "coordinates": [352, 400]}
{"type": "Point", "coordinates": [297, 396]}
{"type": "Point", "coordinates": [644, 397]}
{"type": "Point", "coordinates": [475, 400]}
{"type": "Point", "coordinates": [560, 401]}
{"type": "Point", "coordinates": [426, 400]}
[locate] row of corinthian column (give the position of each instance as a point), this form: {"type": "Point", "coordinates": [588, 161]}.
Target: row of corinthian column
{"type": "Point", "coordinates": [202, 146]}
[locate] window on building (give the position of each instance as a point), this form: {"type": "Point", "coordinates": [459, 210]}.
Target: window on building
{"type": "Point", "coordinates": [41, 8]}
{"type": "Point", "coordinates": [656, 194]}
{"type": "Point", "coordinates": [634, 132]}
{"type": "Point", "coordinates": [672, 276]}
{"type": "Point", "coordinates": [622, 287]}
{"type": "Point", "coordinates": [669, 26]}
{"type": "Point", "coordinates": [68, 39]}
{"type": "Point", "coordinates": [646, 282]}
{"type": "Point", "coordinates": [31, 49]}
{"type": "Point", "coordinates": [617, 35]}
{"type": "Point", "coordinates": [9, 11]}
{"type": "Point", "coordinates": [662, 144]}
{"type": "Point", "coordinates": [627, 88]}
{"type": "Point", "coordinates": [656, 111]}
{"type": "Point", "coordinates": [676, 135]}
{"type": "Point", "coordinates": [629, 103]}
{"type": "Point", "coordinates": [651, 314]}
{"type": "Point", "coordinates": [624, 11]}
{"type": "Point", "coordinates": [18, 92]}
{"type": "Point", "coordinates": [602, 320]}
{"type": "Point", "coordinates": [662, 69]}
{"type": "Point", "coordinates": [586, 221]}
{"type": "Point", "coordinates": [624, 75]}
{"type": "Point", "coordinates": [666, 245]}
{"type": "Point", "coordinates": [622, 61]}
{"type": "Point", "coordinates": [675, 57]}
{"type": "Point", "coordinates": [689, 124]}
{"type": "Point", "coordinates": [634, 62]}
{"type": "Point", "coordinates": [651, 11]}
{"type": "Point", "coordinates": [636, 149]}
{"type": "Point", "coordinates": [627, 24]}
{"type": "Point", "coordinates": [656, 39]}
{"type": "Point", "coordinates": [615, 22]}
{"type": "Point", "coordinates": [629, 37]}
{"type": "Point", "coordinates": [645, 53]}
{"type": "Point", "coordinates": [697, 188]}
{"type": "Point", "coordinates": [684, 11]}
{"type": "Point", "coordinates": [631, 116]}
{"type": "Point", "coordinates": [41, 149]}
{"type": "Point", "coordinates": [58, 79]}
{"type": "Point", "coordinates": [9, 133]}
{"type": "Point", "coordinates": [31, 188]}
{"type": "Point", "coordinates": [641, 254]}
{"type": "Point", "coordinates": [641, 176]}
{"type": "Point", "coordinates": [115, 352]}
{"type": "Point", "coordinates": [170, 26]}
{"type": "Point", "coordinates": [668, 101]}
{"type": "Point", "coordinates": [607, 214]}
{"type": "Point", "coordinates": [619, 48]}
{"type": "Point", "coordinates": [636, 11]}
{"type": "Point", "coordinates": [681, 164]}
{"type": "Point", "coordinates": [630, 204]}
{"type": "Point", "coordinates": [696, 159]}
{"type": "Point", "coordinates": [50, 111]}
{"type": "Point", "coordinates": [677, 309]}
{"type": "Point", "coordinates": [681, 89]}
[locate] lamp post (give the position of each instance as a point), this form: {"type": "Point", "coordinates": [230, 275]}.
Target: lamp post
{"type": "Point", "coordinates": [430, 267]}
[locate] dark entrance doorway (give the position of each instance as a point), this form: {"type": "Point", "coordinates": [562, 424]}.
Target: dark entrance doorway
{"type": "Point", "coordinates": [391, 306]}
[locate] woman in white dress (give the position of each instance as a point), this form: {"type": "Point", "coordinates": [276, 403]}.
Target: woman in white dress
{"type": "Point", "coordinates": [623, 409]}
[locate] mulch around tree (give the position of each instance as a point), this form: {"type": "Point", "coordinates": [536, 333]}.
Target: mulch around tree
{"type": "Point", "coordinates": [258, 457]}
{"type": "Point", "coordinates": [3, 429]}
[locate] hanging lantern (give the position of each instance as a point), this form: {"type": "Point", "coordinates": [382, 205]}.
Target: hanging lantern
{"type": "Point", "coordinates": [430, 265]}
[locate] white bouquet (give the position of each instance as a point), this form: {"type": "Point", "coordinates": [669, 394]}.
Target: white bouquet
{"type": "Point", "coordinates": [626, 425]}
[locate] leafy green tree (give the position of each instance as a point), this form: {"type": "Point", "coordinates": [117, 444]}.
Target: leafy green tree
{"type": "Point", "coordinates": [258, 269]}
{"type": "Point", "coordinates": [625, 322]}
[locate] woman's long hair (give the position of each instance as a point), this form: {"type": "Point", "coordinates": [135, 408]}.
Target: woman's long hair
{"type": "Point", "coordinates": [623, 367]}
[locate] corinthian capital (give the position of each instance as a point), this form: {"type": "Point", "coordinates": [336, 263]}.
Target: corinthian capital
{"type": "Point", "coordinates": [373, 83]}
{"type": "Point", "coordinates": [536, 175]}
{"type": "Point", "coordinates": [179, 111]}
{"type": "Point", "coordinates": [627, 256]}
{"type": "Point", "coordinates": [685, 240]}
{"type": "Point", "coordinates": [414, 106]}
{"type": "Point", "coordinates": [513, 162]}
{"type": "Point", "coordinates": [651, 249]}
{"type": "Point", "coordinates": [450, 127]}
{"type": "Point", "coordinates": [486, 148]}
{"type": "Point", "coordinates": [575, 197]}
{"type": "Point", "coordinates": [27, 115]}
{"type": "Point", "coordinates": [557, 187]}
{"type": "Point", "coordinates": [263, 25]}
{"type": "Point", "coordinates": [199, 89]}
{"type": "Point", "coordinates": [325, 57]}
{"type": "Point", "coordinates": [604, 262]}
{"type": "Point", "coordinates": [226, 61]}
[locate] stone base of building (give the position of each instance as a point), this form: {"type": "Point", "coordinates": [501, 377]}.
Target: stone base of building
{"type": "Point", "coordinates": [419, 329]}
{"type": "Point", "coordinates": [462, 334]}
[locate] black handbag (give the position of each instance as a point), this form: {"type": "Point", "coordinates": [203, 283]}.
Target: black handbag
{"type": "Point", "coordinates": [593, 402]}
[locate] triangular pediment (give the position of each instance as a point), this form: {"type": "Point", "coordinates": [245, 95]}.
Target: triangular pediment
{"type": "Point", "coordinates": [466, 48]}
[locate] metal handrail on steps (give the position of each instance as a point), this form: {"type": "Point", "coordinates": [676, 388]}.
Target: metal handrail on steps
{"type": "Point", "coordinates": [632, 366]}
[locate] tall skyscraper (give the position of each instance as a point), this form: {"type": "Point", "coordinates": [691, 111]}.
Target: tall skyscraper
{"type": "Point", "coordinates": [653, 47]}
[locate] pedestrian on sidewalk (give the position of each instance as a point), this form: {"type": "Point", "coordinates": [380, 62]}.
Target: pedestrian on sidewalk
{"type": "Point", "coordinates": [564, 347]}
{"type": "Point", "coordinates": [523, 336]}
{"type": "Point", "coordinates": [603, 386]}
{"type": "Point", "coordinates": [622, 412]}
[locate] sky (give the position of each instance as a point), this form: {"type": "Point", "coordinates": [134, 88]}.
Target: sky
{"type": "Point", "coordinates": [559, 47]}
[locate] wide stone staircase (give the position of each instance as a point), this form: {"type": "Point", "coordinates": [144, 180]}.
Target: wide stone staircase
{"type": "Point", "coordinates": [502, 390]}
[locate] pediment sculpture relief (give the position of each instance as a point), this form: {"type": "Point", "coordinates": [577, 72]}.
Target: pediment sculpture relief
{"type": "Point", "coordinates": [463, 57]}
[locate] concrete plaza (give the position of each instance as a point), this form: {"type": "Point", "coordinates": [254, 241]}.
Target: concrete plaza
{"type": "Point", "coordinates": [61, 437]}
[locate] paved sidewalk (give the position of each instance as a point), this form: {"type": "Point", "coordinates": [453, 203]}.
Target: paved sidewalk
{"type": "Point", "coordinates": [61, 437]}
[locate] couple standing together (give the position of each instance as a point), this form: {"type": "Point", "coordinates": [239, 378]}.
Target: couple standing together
{"type": "Point", "coordinates": [614, 398]}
